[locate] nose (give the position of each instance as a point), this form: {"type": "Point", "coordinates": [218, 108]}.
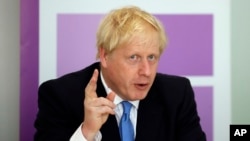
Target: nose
{"type": "Point", "coordinates": [144, 68]}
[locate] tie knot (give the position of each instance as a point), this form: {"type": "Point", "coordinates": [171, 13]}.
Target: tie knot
{"type": "Point", "coordinates": [126, 107]}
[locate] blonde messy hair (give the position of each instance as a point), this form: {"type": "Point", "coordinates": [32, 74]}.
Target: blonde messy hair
{"type": "Point", "coordinates": [119, 25]}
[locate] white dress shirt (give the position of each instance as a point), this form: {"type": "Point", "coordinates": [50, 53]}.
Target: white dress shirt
{"type": "Point", "coordinates": [78, 136]}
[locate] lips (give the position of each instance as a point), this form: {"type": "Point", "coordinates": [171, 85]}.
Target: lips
{"type": "Point", "coordinates": [141, 86]}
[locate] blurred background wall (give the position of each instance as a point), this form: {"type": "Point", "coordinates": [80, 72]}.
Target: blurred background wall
{"type": "Point", "coordinates": [9, 70]}
{"type": "Point", "coordinates": [10, 62]}
{"type": "Point", "coordinates": [240, 51]}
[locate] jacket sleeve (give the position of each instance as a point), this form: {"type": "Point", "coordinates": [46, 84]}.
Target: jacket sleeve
{"type": "Point", "coordinates": [188, 119]}
{"type": "Point", "coordinates": [54, 121]}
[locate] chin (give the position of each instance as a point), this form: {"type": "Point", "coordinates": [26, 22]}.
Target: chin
{"type": "Point", "coordinates": [139, 96]}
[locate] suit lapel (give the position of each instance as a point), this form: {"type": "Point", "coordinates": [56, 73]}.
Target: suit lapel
{"type": "Point", "coordinates": [110, 130]}
{"type": "Point", "coordinates": [149, 118]}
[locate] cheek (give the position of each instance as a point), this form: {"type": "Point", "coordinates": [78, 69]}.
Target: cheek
{"type": "Point", "coordinates": [121, 72]}
{"type": "Point", "coordinates": [117, 73]}
{"type": "Point", "coordinates": [123, 76]}
{"type": "Point", "coordinates": [154, 67]}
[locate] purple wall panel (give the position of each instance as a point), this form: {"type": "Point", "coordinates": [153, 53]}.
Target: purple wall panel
{"type": "Point", "coordinates": [204, 100]}
{"type": "Point", "coordinates": [190, 48]}
{"type": "Point", "coordinates": [76, 41]}
{"type": "Point", "coordinates": [28, 67]}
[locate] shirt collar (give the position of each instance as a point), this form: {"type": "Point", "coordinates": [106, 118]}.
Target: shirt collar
{"type": "Point", "coordinates": [117, 99]}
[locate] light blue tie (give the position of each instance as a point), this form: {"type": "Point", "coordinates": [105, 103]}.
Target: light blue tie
{"type": "Point", "coordinates": [126, 127]}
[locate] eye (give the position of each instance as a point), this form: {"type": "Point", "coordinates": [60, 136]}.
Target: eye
{"type": "Point", "coordinates": [151, 57]}
{"type": "Point", "coordinates": [133, 57]}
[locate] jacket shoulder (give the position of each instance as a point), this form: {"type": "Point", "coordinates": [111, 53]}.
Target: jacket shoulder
{"type": "Point", "coordinates": [172, 87]}
{"type": "Point", "coordinates": [171, 80]}
{"type": "Point", "coordinates": [75, 77]}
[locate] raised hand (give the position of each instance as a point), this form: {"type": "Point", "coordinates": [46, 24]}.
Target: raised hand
{"type": "Point", "coordinates": [96, 109]}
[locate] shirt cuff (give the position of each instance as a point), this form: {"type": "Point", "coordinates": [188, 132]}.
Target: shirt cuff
{"type": "Point", "coordinates": [78, 136]}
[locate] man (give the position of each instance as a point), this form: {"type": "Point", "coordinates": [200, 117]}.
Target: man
{"type": "Point", "coordinates": [88, 104]}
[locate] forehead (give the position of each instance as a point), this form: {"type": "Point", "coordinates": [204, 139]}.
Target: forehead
{"type": "Point", "coordinates": [142, 43]}
{"type": "Point", "coordinates": [147, 37]}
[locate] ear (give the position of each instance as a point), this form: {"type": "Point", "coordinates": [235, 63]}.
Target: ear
{"type": "Point", "coordinates": [103, 57]}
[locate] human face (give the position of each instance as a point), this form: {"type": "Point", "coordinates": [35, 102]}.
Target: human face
{"type": "Point", "coordinates": [130, 69]}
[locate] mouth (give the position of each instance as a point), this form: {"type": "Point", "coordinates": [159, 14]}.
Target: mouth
{"type": "Point", "coordinates": [141, 86]}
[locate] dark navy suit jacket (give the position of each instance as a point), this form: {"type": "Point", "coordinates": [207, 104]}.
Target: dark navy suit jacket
{"type": "Point", "coordinates": [168, 113]}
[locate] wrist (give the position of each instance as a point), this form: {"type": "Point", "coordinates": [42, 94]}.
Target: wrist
{"type": "Point", "coordinates": [88, 134]}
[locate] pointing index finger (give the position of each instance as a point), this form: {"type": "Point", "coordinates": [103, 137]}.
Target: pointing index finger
{"type": "Point", "coordinates": [90, 90]}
